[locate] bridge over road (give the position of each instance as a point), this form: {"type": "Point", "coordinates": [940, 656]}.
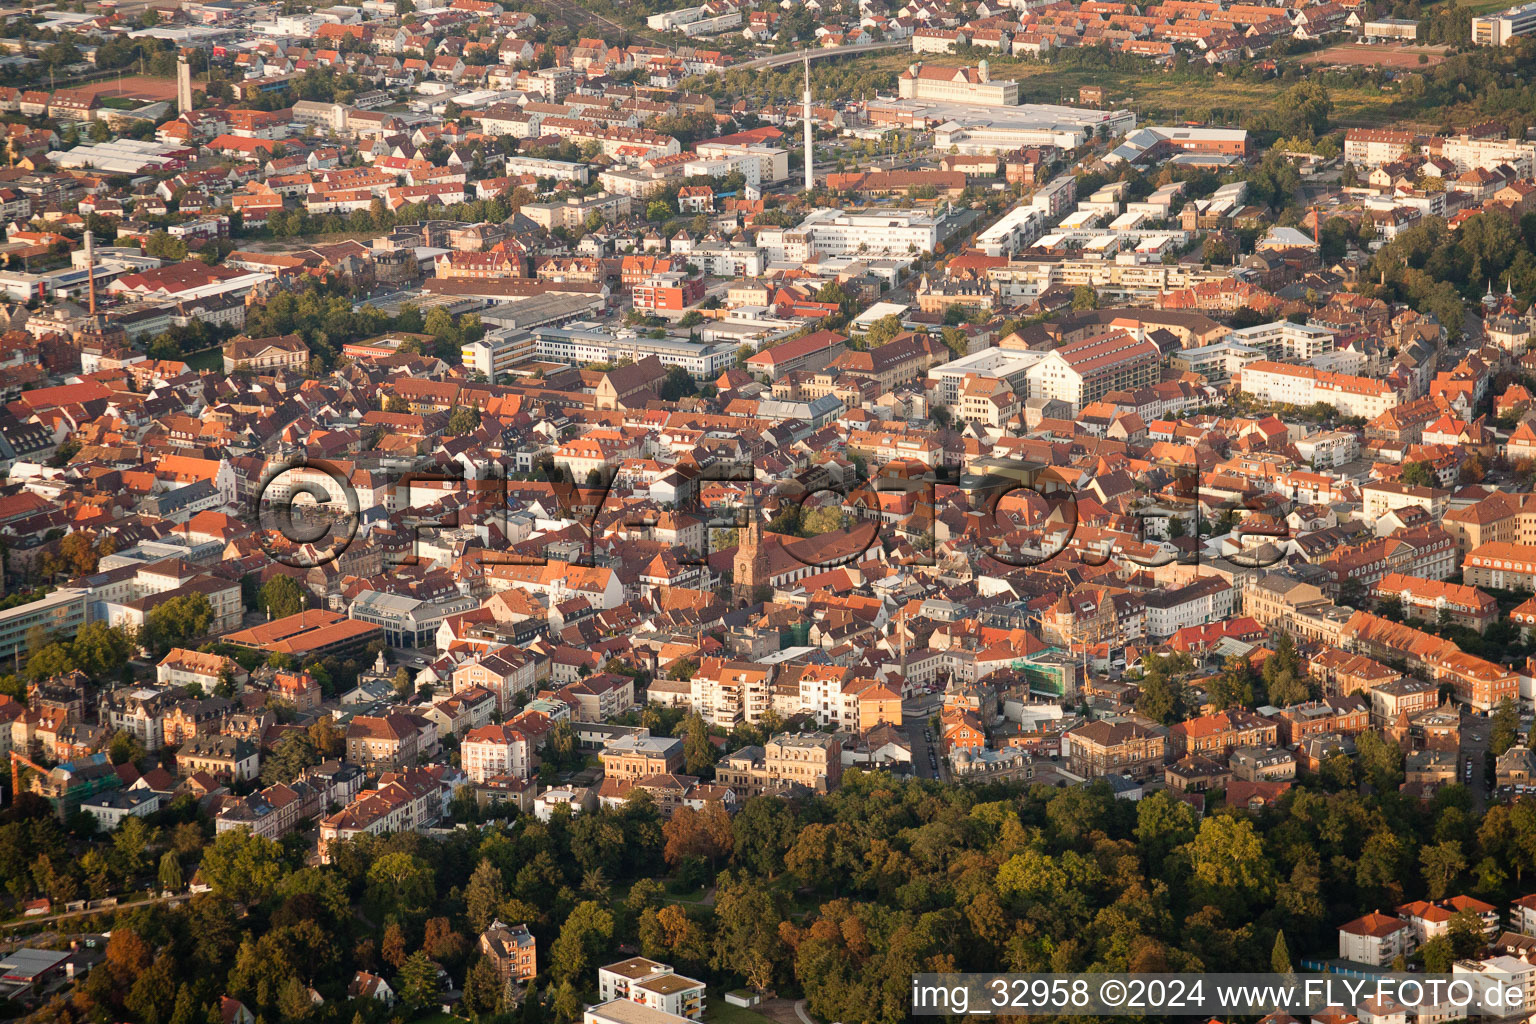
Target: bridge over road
{"type": "Point", "coordinates": [779, 60]}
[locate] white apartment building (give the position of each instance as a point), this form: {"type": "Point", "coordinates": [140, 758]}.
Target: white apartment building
{"type": "Point", "coordinates": [1302, 385]}
{"type": "Point", "coordinates": [1372, 147]}
{"type": "Point", "coordinates": [560, 170]}
{"type": "Point", "coordinates": [1015, 230]}
{"type": "Point", "coordinates": [1381, 497]}
{"type": "Point", "coordinates": [970, 85]}
{"type": "Point", "coordinates": [759, 165]}
{"type": "Point", "coordinates": [1285, 341]}
{"type": "Point", "coordinates": [653, 984]}
{"type": "Point", "coordinates": [1469, 154]}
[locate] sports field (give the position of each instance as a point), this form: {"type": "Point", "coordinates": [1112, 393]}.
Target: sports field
{"type": "Point", "coordinates": [1395, 58]}
{"type": "Point", "coordinates": [133, 87]}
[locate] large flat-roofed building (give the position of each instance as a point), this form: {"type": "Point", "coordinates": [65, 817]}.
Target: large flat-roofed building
{"type": "Point", "coordinates": [1146, 145]}
{"type": "Point", "coordinates": [985, 131]}
{"type": "Point", "coordinates": [1499, 28]}
{"type": "Point", "coordinates": [60, 613]}
{"type": "Point", "coordinates": [832, 232]}
{"type": "Point", "coordinates": [499, 351]}
{"type": "Point", "coordinates": [313, 633]}
{"type": "Point", "coordinates": [947, 84]}
{"type": "Point", "coordinates": [585, 343]}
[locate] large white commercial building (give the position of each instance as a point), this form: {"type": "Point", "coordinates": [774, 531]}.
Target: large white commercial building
{"type": "Point", "coordinates": [829, 232]}
{"type": "Point", "coordinates": [1499, 28]}
{"type": "Point", "coordinates": [967, 85]}
{"type": "Point", "coordinates": [586, 343]}
{"type": "Point", "coordinates": [499, 351]}
{"type": "Point", "coordinates": [987, 131]}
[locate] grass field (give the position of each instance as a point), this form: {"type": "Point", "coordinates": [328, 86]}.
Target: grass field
{"type": "Point", "coordinates": [718, 1011]}
{"type": "Point", "coordinates": [1156, 96]}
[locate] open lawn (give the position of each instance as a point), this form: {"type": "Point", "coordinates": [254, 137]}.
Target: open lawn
{"type": "Point", "coordinates": [1156, 96]}
{"type": "Point", "coordinates": [718, 1011]}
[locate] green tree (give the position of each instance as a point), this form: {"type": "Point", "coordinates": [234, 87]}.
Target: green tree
{"type": "Point", "coordinates": [482, 989]}
{"type": "Point", "coordinates": [1280, 955]}
{"type": "Point", "coordinates": [585, 934]}
{"type": "Point", "coordinates": [483, 895]}
{"type": "Point", "coordinates": [1419, 474]}
{"type": "Point", "coordinates": [698, 752]}
{"type": "Point", "coordinates": [418, 982]}
{"type": "Point", "coordinates": [178, 621]}
{"type": "Point", "coordinates": [1504, 729]}
{"type": "Point", "coordinates": [401, 883]}
{"type": "Point", "coordinates": [281, 596]}
{"type": "Point", "coordinates": [170, 872]}
{"type": "Point", "coordinates": [463, 421]}
{"type": "Point", "coordinates": [1442, 863]}
{"type": "Point", "coordinates": [241, 866]}
{"type": "Point", "coordinates": [295, 752]}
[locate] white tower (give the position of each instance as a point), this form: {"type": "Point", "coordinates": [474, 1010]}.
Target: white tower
{"type": "Point", "coordinates": [90, 272]}
{"type": "Point", "coordinates": [810, 161]}
{"type": "Point", "coordinates": [183, 85]}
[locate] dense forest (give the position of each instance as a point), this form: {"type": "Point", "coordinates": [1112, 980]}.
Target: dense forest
{"type": "Point", "coordinates": [839, 898]}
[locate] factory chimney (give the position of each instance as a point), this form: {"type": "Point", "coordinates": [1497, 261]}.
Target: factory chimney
{"type": "Point", "coordinates": [810, 161]}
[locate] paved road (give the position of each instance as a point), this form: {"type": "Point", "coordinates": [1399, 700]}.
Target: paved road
{"type": "Point", "coordinates": [914, 719]}
{"type": "Point", "coordinates": [805, 1018]}
{"type": "Point", "coordinates": [1474, 745]}
{"type": "Point", "coordinates": [779, 60]}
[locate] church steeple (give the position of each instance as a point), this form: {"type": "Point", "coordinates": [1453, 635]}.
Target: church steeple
{"type": "Point", "coordinates": [749, 569]}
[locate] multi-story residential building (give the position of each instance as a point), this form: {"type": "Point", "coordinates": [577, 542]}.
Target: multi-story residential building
{"type": "Point", "coordinates": [402, 801]}
{"type": "Point", "coordinates": [635, 757]}
{"type": "Point", "coordinates": [494, 750]}
{"type": "Point", "coordinates": [393, 740]}
{"type": "Point", "coordinates": [272, 812]}
{"type": "Point", "coordinates": [653, 984]}
{"type": "Point", "coordinates": [811, 760]}
{"type": "Point", "coordinates": [1431, 600]}
{"type": "Point", "coordinates": [513, 951]}
{"type": "Point", "coordinates": [1500, 565]}
{"type": "Point", "coordinates": [223, 757]}
{"type": "Point", "coordinates": [506, 671]}
{"type": "Point", "coordinates": [728, 692]}
{"type": "Point", "coordinates": [1282, 383]}
{"type": "Point", "coordinates": [1207, 599]}
{"type": "Point", "coordinates": [1085, 371]}
{"type": "Point", "coordinates": [186, 668]}
{"type": "Point", "coordinates": [1376, 939]}
{"type": "Point", "coordinates": [1348, 716]}
{"type": "Point", "coordinates": [1406, 696]}
{"type": "Point", "coordinates": [1380, 497]}
{"type": "Point", "coordinates": [1096, 749]}
{"type": "Point", "coordinates": [1216, 736]}
{"type": "Point", "coordinates": [971, 86]}
{"type": "Point", "coordinates": [1372, 147]}
{"type": "Point", "coordinates": [1478, 683]}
